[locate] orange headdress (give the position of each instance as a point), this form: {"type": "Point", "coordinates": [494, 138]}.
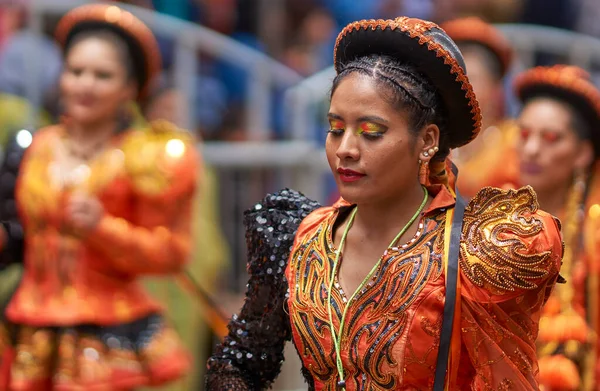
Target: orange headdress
{"type": "Point", "coordinates": [426, 46]}
{"type": "Point", "coordinates": [567, 83]}
{"type": "Point", "coordinates": [141, 43]}
{"type": "Point", "coordinates": [475, 30]}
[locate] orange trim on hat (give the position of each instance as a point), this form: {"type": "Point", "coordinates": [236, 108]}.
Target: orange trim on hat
{"type": "Point", "coordinates": [125, 21]}
{"type": "Point", "coordinates": [474, 29]}
{"type": "Point", "coordinates": [569, 78]}
{"type": "Point", "coordinates": [416, 29]}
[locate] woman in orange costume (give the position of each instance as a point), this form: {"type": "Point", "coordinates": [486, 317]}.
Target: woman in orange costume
{"type": "Point", "coordinates": [366, 288]}
{"type": "Point", "coordinates": [488, 56]}
{"type": "Point", "coordinates": [99, 204]}
{"type": "Point", "coordinates": [558, 153]}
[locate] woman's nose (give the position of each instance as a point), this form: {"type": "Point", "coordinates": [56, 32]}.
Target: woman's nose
{"type": "Point", "coordinates": [348, 148]}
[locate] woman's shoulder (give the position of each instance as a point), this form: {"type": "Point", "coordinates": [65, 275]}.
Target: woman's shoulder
{"type": "Point", "coordinates": [283, 210]}
{"type": "Point", "coordinates": [271, 227]}
{"type": "Point", "coordinates": [43, 134]}
{"type": "Point", "coordinates": [25, 139]}
{"type": "Point", "coordinates": [508, 243]}
{"type": "Point", "coordinates": [161, 159]}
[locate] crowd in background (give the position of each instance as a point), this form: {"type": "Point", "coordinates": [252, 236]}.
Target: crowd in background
{"type": "Point", "coordinates": [298, 33]}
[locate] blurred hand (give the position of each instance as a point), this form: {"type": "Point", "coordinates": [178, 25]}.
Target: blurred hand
{"type": "Point", "coordinates": [83, 213]}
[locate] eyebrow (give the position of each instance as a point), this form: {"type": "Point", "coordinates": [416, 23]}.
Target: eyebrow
{"type": "Point", "coordinates": [543, 130]}
{"type": "Point", "coordinates": [367, 118]}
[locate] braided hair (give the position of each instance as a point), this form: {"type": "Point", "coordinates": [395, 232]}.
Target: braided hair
{"type": "Point", "coordinates": [406, 89]}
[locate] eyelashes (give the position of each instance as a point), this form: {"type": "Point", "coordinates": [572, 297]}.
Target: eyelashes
{"type": "Point", "coordinates": [369, 130]}
{"type": "Point", "coordinates": [549, 137]}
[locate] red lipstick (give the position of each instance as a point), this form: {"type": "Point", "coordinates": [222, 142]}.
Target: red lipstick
{"type": "Point", "coordinates": [347, 175]}
{"type": "Point", "coordinates": [531, 168]}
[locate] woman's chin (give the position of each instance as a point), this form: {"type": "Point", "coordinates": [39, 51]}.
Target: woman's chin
{"type": "Point", "coordinates": [351, 195]}
{"type": "Point", "coordinates": [84, 118]}
{"type": "Point", "coordinates": [537, 182]}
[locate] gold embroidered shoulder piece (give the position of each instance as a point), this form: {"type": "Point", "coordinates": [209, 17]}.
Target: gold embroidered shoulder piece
{"type": "Point", "coordinates": [503, 248]}
{"type": "Point", "coordinates": [159, 156]}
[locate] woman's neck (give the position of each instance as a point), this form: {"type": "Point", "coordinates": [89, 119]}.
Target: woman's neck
{"type": "Point", "coordinates": [554, 200]}
{"type": "Point", "coordinates": [490, 119]}
{"type": "Point", "coordinates": [381, 219]}
{"type": "Point", "coordinates": [79, 132]}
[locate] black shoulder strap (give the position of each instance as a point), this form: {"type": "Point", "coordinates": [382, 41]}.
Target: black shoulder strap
{"type": "Point", "coordinates": [451, 281]}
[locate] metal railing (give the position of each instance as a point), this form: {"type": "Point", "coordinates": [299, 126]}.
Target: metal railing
{"type": "Point", "coordinates": [190, 38]}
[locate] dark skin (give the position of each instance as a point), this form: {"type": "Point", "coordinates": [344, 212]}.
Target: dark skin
{"type": "Point", "coordinates": [370, 136]}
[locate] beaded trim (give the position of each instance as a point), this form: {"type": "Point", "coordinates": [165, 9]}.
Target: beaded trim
{"type": "Point", "coordinates": [416, 29]}
{"type": "Point", "coordinates": [476, 30]}
{"type": "Point", "coordinates": [566, 77]}
{"type": "Point", "coordinates": [122, 19]}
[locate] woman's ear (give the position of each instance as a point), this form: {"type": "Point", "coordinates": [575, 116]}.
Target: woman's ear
{"type": "Point", "coordinates": [585, 157]}
{"type": "Point", "coordinates": [429, 141]}
{"type": "Point", "coordinates": [131, 91]}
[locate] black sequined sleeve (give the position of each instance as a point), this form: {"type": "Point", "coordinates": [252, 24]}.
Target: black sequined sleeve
{"type": "Point", "coordinates": [13, 154]}
{"type": "Point", "coordinates": [250, 357]}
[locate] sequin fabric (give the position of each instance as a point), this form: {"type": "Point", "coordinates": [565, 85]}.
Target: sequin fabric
{"type": "Point", "coordinates": [494, 254]}
{"type": "Point", "coordinates": [13, 250]}
{"type": "Point", "coordinates": [380, 315]}
{"type": "Point", "coordinates": [250, 356]}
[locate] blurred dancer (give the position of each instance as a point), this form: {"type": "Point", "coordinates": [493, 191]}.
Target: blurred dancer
{"type": "Point", "coordinates": [99, 204]}
{"type": "Point", "coordinates": [488, 56]}
{"type": "Point", "coordinates": [558, 155]}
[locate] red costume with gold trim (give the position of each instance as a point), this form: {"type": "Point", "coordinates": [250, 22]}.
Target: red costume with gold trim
{"type": "Point", "coordinates": [75, 290]}
{"type": "Point", "coordinates": [510, 257]}
{"type": "Point", "coordinates": [488, 161]}
{"type": "Point", "coordinates": [568, 349]}
{"type": "Point", "coordinates": [79, 318]}
{"type": "Point", "coordinates": [393, 325]}
{"type": "Point", "coordinates": [509, 260]}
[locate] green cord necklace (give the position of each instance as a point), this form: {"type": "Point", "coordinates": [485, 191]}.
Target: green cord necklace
{"type": "Point", "coordinates": [341, 385]}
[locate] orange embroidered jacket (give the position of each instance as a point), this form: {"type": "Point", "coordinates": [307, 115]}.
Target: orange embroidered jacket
{"type": "Point", "coordinates": [509, 262]}
{"type": "Point", "coordinates": [568, 349]}
{"type": "Point", "coordinates": [146, 182]}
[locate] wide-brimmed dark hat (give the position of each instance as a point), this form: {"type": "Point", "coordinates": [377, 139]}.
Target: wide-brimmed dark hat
{"type": "Point", "coordinates": [426, 46]}
{"type": "Point", "coordinates": [142, 44]}
{"type": "Point", "coordinates": [569, 84]}
{"type": "Point", "coordinates": [475, 30]}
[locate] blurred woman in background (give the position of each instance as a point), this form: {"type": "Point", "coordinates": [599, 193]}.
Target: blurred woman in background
{"type": "Point", "coordinates": [99, 204]}
{"type": "Point", "coordinates": [488, 56]}
{"type": "Point", "coordinates": [558, 155]}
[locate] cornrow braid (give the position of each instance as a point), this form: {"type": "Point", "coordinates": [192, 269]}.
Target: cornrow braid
{"type": "Point", "coordinates": [407, 90]}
